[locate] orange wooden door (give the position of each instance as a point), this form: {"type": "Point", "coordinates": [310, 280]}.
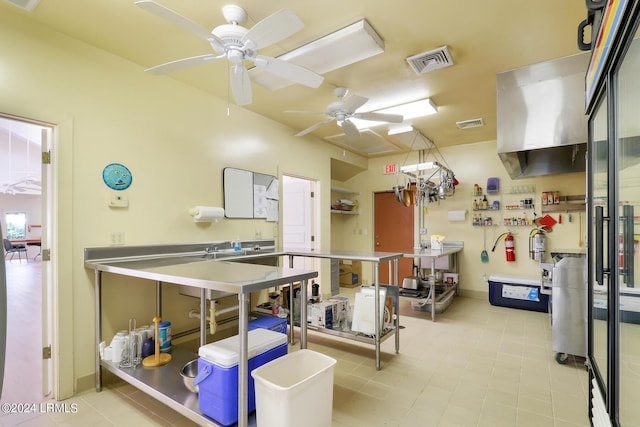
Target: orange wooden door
{"type": "Point", "coordinates": [393, 232]}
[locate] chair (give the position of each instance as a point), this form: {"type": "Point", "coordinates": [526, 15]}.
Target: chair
{"type": "Point", "coordinates": [12, 249]}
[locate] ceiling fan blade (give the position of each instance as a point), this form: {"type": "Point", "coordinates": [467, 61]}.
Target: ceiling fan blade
{"type": "Point", "coordinates": [379, 117]}
{"type": "Point", "coordinates": [305, 112]}
{"type": "Point", "coordinates": [289, 71]}
{"type": "Point", "coordinates": [314, 127]}
{"type": "Point", "coordinates": [272, 29]}
{"type": "Point", "coordinates": [350, 130]}
{"type": "Point", "coordinates": [354, 102]}
{"type": "Point", "coordinates": [241, 85]}
{"type": "Point", "coordinates": [182, 22]}
{"type": "Point", "coordinates": [180, 64]}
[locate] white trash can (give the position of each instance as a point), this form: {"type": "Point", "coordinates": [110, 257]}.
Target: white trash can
{"type": "Point", "coordinates": [294, 390]}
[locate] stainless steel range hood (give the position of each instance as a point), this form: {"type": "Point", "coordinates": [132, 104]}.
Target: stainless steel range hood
{"type": "Point", "coordinates": [542, 128]}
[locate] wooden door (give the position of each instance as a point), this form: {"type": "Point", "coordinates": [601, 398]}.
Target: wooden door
{"type": "Point", "coordinates": [393, 231]}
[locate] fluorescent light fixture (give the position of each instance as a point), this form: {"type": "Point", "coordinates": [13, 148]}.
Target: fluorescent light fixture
{"type": "Point", "coordinates": [409, 110]}
{"type": "Point", "coordinates": [420, 167]}
{"type": "Point", "coordinates": [395, 130]}
{"type": "Point", "coordinates": [346, 46]}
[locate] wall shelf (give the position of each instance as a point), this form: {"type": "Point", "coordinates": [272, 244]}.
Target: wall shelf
{"type": "Point", "coordinates": [567, 204]}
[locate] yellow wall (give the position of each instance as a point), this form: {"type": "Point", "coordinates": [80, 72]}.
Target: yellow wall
{"type": "Point", "coordinates": [175, 139]}
{"type": "Point", "coordinates": [472, 163]}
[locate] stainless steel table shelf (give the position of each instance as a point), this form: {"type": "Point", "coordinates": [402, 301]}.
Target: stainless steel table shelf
{"type": "Point", "coordinates": [164, 383]}
{"type": "Point", "coordinates": [219, 276]}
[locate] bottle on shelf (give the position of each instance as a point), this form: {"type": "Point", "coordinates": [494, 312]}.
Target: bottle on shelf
{"type": "Point", "coordinates": [485, 202]}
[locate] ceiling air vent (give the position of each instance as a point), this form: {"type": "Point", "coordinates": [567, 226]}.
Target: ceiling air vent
{"type": "Point", "coordinates": [28, 5]}
{"type": "Point", "coordinates": [428, 61]}
{"type": "Point", "coordinates": [468, 124]}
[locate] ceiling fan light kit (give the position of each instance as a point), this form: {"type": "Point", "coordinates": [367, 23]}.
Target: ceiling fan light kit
{"type": "Point", "coordinates": [343, 112]}
{"type": "Point", "coordinates": [238, 44]}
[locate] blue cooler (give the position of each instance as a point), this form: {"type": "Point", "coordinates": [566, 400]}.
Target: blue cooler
{"type": "Point", "coordinates": [517, 292]}
{"type": "Point", "coordinates": [269, 322]}
{"type": "Point", "coordinates": [217, 378]}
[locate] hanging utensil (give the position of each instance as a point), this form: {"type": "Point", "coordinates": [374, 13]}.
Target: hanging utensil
{"type": "Point", "coordinates": [484, 256]}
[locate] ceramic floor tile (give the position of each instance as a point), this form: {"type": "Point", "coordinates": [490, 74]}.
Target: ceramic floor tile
{"type": "Point", "coordinates": [477, 365]}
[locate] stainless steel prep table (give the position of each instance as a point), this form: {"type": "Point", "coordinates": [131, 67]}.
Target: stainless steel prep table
{"type": "Point", "coordinates": [376, 258]}
{"type": "Point", "coordinates": [222, 276]}
{"type": "Point", "coordinates": [448, 248]}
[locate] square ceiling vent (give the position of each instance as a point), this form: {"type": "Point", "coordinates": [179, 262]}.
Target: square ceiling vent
{"type": "Point", "coordinates": [468, 124]}
{"type": "Point", "coordinates": [425, 62]}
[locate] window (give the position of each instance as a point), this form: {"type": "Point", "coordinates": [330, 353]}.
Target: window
{"type": "Point", "coordinates": [16, 225]}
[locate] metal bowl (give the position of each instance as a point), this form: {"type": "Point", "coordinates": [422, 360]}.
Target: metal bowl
{"type": "Point", "coordinates": [188, 373]}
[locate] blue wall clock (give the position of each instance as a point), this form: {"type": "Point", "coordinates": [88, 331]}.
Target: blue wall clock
{"type": "Point", "coordinates": [117, 176]}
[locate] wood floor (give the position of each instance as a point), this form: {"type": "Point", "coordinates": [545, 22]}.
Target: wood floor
{"type": "Point", "coordinates": [23, 365]}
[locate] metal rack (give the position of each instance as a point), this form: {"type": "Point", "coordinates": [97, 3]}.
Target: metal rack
{"type": "Point", "coordinates": [376, 258]}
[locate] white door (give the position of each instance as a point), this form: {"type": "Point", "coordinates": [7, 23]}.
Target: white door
{"type": "Point", "coordinates": [298, 219]}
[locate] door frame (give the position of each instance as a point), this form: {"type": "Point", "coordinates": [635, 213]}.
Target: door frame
{"type": "Point", "coordinates": [47, 281]}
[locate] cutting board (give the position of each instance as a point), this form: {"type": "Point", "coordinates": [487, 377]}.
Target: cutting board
{"type": "Point", "coordinates": [547, 222]}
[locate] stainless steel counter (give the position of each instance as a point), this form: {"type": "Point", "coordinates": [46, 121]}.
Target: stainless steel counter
{"type": "Point", "coordinates": [376, 258]}
{"type": "Point", "coordinates": [185, 268]}
{"type": "Point", "coordinates": [448, 248]}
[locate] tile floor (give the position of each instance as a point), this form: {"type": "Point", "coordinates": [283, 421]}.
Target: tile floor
{"type": "Point", "coordinates": [477, 365]}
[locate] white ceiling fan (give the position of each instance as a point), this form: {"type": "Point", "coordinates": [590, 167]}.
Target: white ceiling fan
{"type": "Point", "coordinates": [343, 110]}
{"type": "Point", "coordinates": [238, 44]}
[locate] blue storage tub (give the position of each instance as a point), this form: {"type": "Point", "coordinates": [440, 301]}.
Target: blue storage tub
{"type": "Point", "coordinates": [217, 378]}
{"type": "Point", "coordinates": [517, 292]}
{"type": "Point", "coordinates": [269, 322]}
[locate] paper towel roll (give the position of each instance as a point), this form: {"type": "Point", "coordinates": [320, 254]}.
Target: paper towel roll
{"type": "Point", "coordinates": [206, 213]}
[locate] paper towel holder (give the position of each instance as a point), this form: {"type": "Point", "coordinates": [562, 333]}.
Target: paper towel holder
{"type": "Point", "coordinates": [206, 213]}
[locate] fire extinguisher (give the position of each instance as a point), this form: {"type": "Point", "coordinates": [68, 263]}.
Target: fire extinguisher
{"type": "Point", "coordinates": [537, 244]}
{"type": "Point", "coordinates": [509, 246]}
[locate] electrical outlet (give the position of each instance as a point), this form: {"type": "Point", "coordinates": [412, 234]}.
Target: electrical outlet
{"type": "Point", "coordinates": [117, 238]}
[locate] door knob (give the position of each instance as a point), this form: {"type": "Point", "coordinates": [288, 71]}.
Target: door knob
{"type": "Point", "coordinates": [377, 243]}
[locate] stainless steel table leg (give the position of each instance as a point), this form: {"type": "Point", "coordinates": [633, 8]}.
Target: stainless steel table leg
{"type": "Point", "coordinates": [291, 311]}
{"type": "Point", "coordinates": [303, 314]}
{"type": "Point", "coordinates": [243, 361]}
{"type": "Point", "coordinates": [396, 305]}
{"type": "Point", "coordinates": [432, 280]}
{"type": "Point", "coordinates": [98, 296]}
{"type": "Point", "coordinates": [203, 317]}
{"type": "Point", "coordinates": [159, 299]}
{"type": "Point", "coordinates": [376, 313]}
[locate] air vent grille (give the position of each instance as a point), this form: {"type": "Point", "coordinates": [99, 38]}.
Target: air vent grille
{"type": "Point", "coordinates": [429, 61]}
{"type": "Point", "coordinates": [28, 5]}
{"type": "Point", "coordinates": [467, 124]}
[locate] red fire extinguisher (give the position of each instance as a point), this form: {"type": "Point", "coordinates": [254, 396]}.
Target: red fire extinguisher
{"type": "Point", "coordinates": [509, 246]}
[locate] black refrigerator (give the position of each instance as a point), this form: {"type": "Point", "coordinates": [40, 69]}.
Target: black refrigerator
{"type": "Point", "coordinates": [612, 85]}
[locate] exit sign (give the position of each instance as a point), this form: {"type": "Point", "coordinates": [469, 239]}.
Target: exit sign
{"type": "Point", "coordinates": [390, 168]}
